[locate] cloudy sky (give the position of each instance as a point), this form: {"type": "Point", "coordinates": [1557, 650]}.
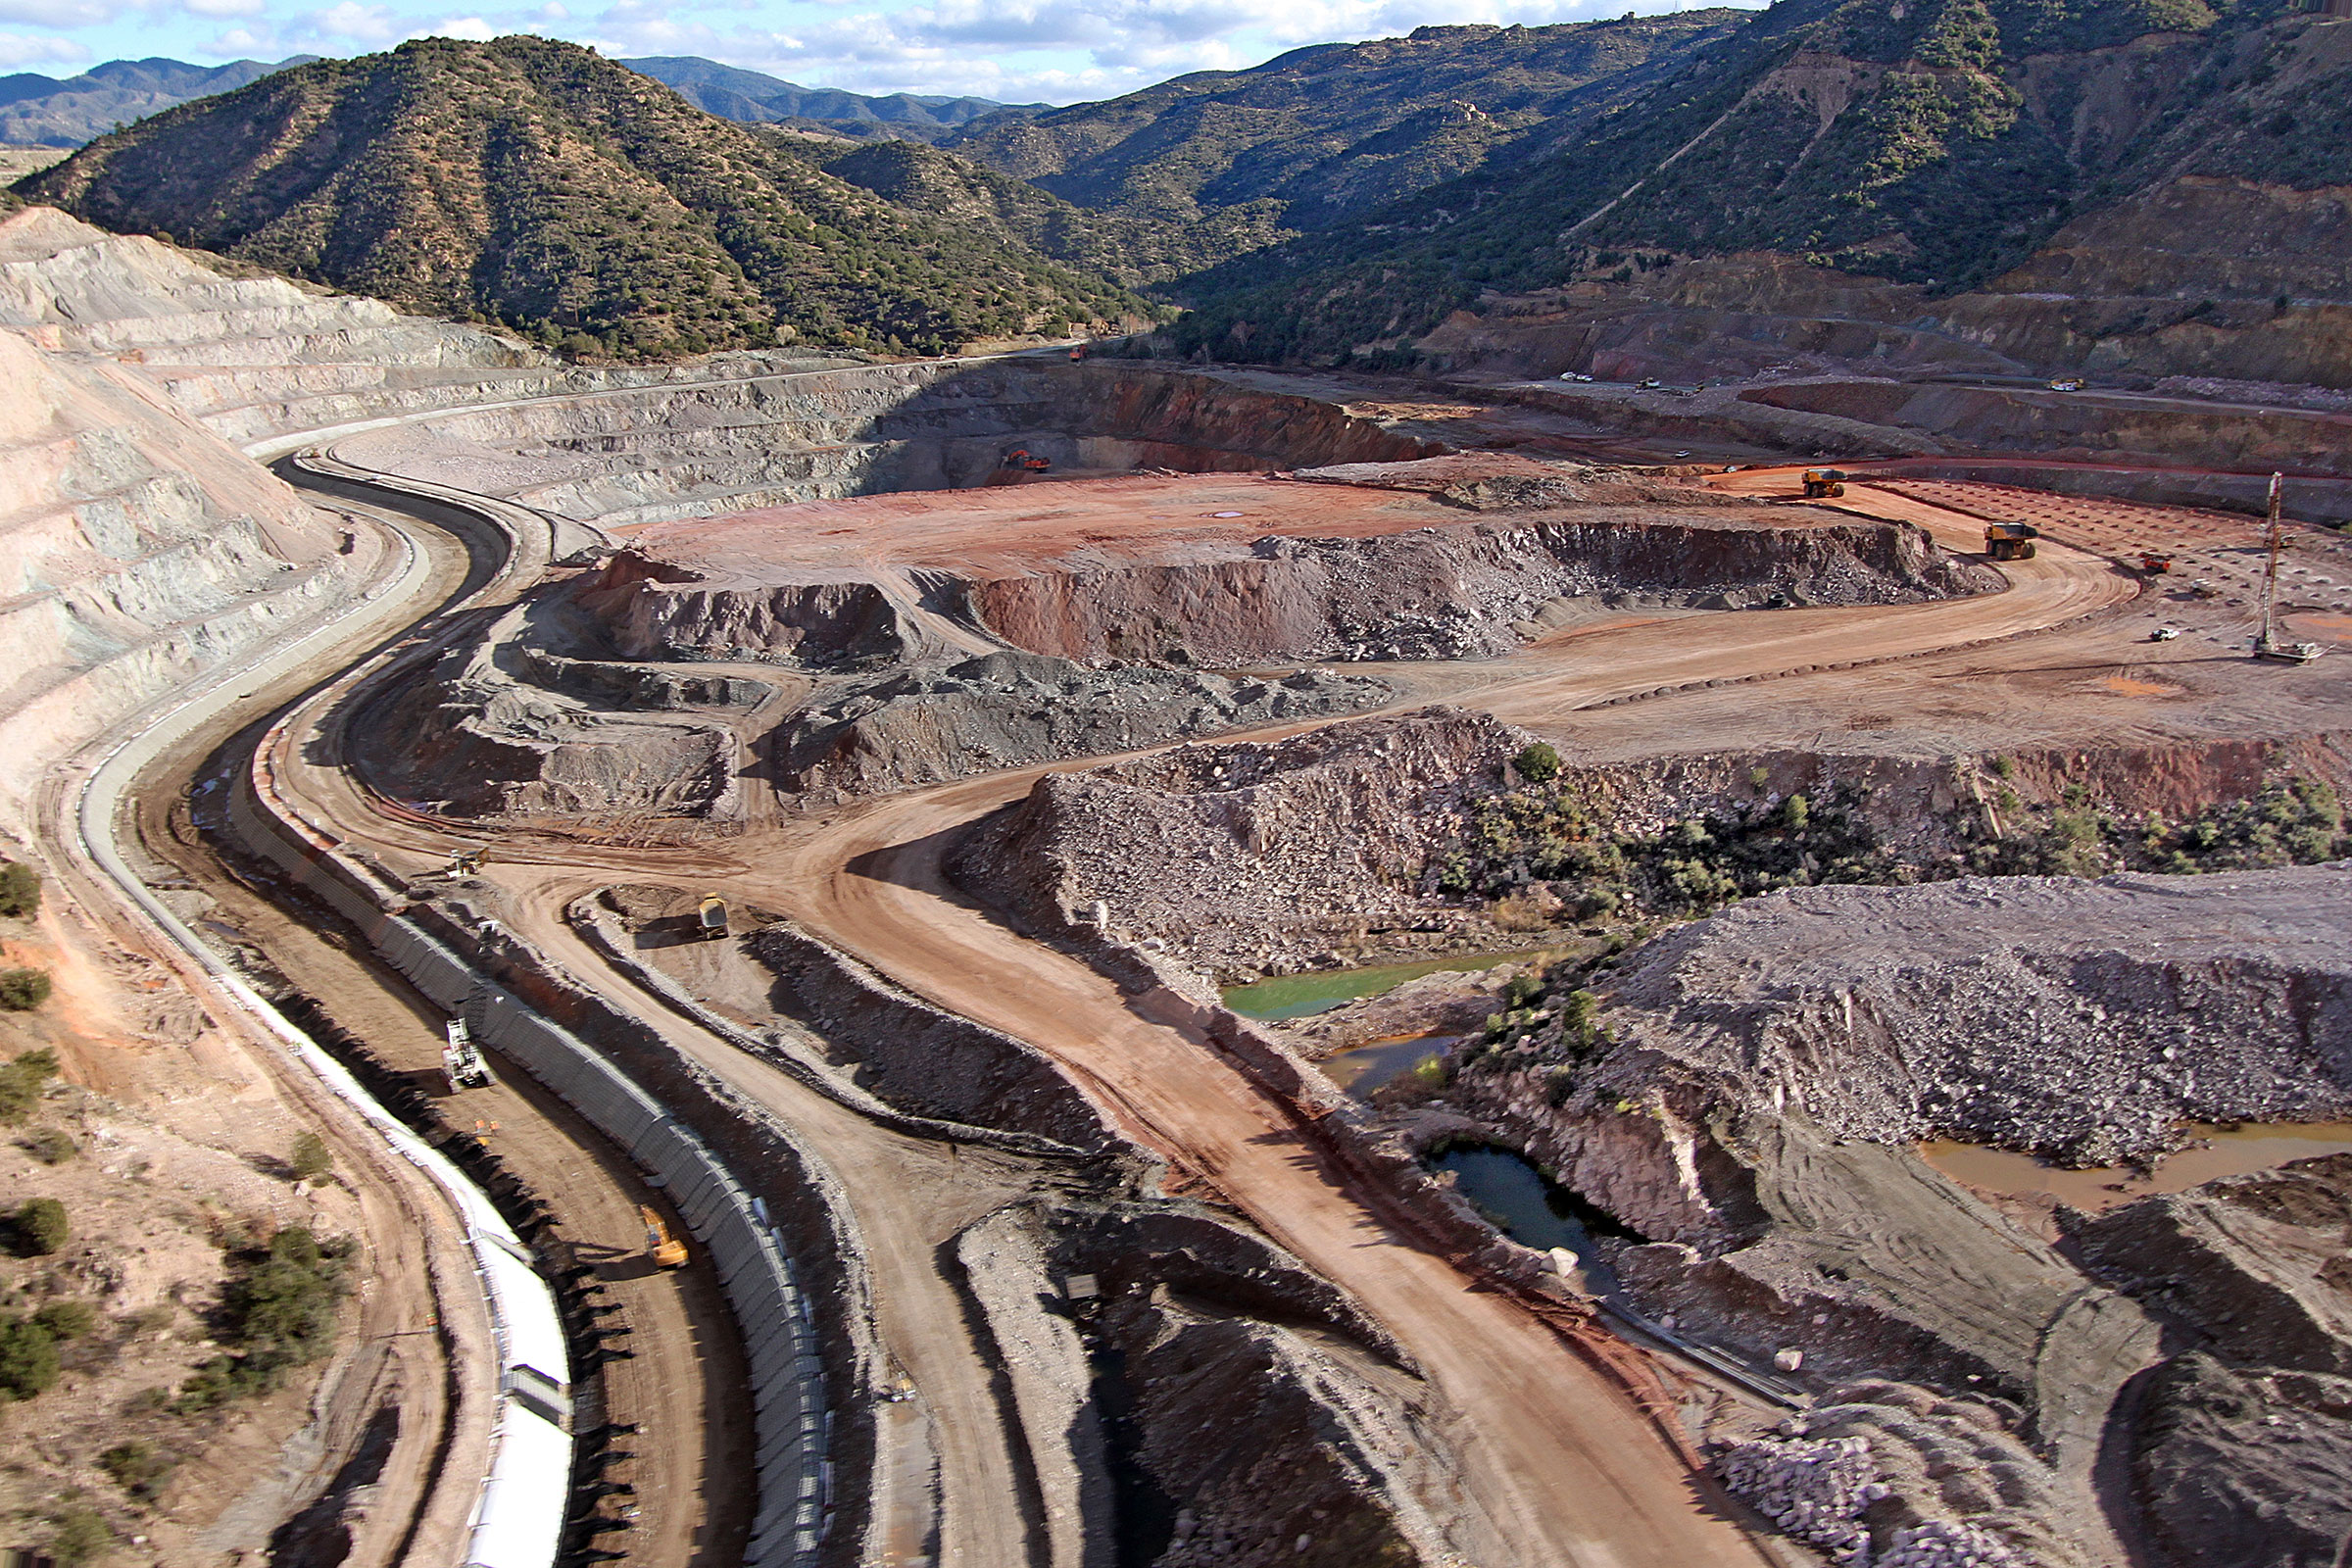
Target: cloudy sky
{"type": "Point", "coordinates": [1058, 51]}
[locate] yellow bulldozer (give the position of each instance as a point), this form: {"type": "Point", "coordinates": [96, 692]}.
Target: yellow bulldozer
{"type": "Point", "coordinates": [2010, 541]}
{"type": "Point", "coordinates": [666, 1250]}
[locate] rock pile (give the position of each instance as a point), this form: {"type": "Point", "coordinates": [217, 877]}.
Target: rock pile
{"type": "Point", "coordinates": [929, 726]}
{"type": "Point", "coordinates": [1939, 1544]}
{"type": "Point", "coordinates": [1818, 1489]}
{"type": "Point", "coordinates": [1815, 1489]}
{"type": "Point", "coordinates": [1241, 856]}
{"type": "Point", "coordinates": [2079, 1020]}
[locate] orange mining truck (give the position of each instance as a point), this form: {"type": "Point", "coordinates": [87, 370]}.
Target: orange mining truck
{"type": "Point", "coordinates": [1823, 483]}
{"type": "Point", "coordinates": [2155, 563]}
{"type": "Point", "coordinates": [666, 1250]}
{"type": "Point", "coordinates": [2010, 541]}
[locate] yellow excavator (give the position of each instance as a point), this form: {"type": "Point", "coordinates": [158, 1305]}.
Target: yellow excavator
{"type": "Point", "coordinates": [666, 1250]}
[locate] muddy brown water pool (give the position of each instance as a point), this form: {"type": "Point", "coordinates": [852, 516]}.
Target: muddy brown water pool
{"type": "Point", "coordinates": [2235, 1150]}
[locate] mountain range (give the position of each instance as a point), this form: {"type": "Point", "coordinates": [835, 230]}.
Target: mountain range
{"type": "Point", "coordinates": [733, 93]}
{"type": "Point", "coordinates": [542, 187]}
{"type": "Point", "coordinates": [2145, 186]}
{"type": "Point", "coordinates": [37, 110]}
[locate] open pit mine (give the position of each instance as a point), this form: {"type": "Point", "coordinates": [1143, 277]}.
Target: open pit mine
{"type": "Point", "coordinates": [1023, 964]}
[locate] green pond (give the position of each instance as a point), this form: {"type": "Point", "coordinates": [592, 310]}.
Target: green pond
{"type": "Point", "coordinates": [1298, 996]}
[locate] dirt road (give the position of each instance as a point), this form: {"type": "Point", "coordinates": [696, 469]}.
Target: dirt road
{"type": "Point", "coordinates": [1555, 1463]}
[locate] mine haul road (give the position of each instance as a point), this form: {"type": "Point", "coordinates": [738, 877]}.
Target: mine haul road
{"type": "Point", "coordinates": [1556, 1463]}
{"type": "Point", "coordinates": [680, 1384]}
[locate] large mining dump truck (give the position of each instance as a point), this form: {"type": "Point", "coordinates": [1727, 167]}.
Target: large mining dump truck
{"type": "Point", "coordinates": [2010, 541]}
{"type": "Point", "coordinates": [710, 918]}
{"type": "Point", "coordinates": [1822, 484]}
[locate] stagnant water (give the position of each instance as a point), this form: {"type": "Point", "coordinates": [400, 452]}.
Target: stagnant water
{"type": "Point", "coordinates": [1299, 996]}
{"type": "Point", "coordinates": [2235, 1150]}
{"type": "Point", "coordinates": [1367, 1067]}
{"type": "Point", "coordinates": [1531, 1208]}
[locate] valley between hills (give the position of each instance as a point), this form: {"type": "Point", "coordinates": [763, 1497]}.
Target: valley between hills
{"type": "Point", "coordinates": [1530, 796]}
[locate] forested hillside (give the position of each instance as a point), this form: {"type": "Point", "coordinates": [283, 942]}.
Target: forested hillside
{"type": "Point", "coordinates": [1938, 144]}
{"type": "Point", "coordinates": [537, 184]}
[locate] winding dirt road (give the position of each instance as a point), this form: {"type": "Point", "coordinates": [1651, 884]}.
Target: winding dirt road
{"type": "Point", "coordinates": [1555, 1462]}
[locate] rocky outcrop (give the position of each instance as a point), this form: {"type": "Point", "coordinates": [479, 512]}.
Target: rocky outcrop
{"type": "Point", "coordinates": [2242, 1468]}
{"type": "Point", "coordinates": [1230, 850]}
{"type": "Point", "coordinates": [475, 742]}
{"type": "Point", "coordinates": [2241, 1448]}
{"type": "Point", "coordinates": [926, 726]}
{"type": "Point", "coordinates": [1449, 592]}
{"type": "Point", "coordinates": [136, 550]}
{"type": "Point", "coordinates": [646, 446]}
{"type": "Point", "coordinates": [918, 1057]}
{"type": "Point", "coordinates": [2078, 1020]}
{"type": "Point", "coordinates": [656, 611]}
{"type": "Point", "coordinates": [1196, 1315]}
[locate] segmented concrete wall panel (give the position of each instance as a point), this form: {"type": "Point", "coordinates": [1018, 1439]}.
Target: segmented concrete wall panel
{"type": "Point", "coordinates": [748, 1253]}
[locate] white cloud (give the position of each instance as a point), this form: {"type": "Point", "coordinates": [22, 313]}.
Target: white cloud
{"type": "Point", "coordinates": [17, 50]}
{"type": "Point", "coordinates": [257, 42]}
{"type": "Point", "coordinates": [224, 8]}
{"type": "Point", "coordinates": [350, 22]}
{"type": "Point", "coordinates": [1056, 49]}
{"type": "Point", "coordinates": [58, 13]}
{"type": "Point", "coordinates": [473, 27]}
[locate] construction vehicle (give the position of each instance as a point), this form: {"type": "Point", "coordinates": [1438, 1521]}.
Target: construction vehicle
{"type": "Point", "coordinates": [710, 918]}
{"type": "Point", "coordinates": [2155, 563]}
{"type": "Point", "coordinates": [465, 862]}
{"type": "Point", "coordinates": [2165, 634]}
{"type": "Point", "coordinates": [1022, 460]}
{"type": "Point", "coordinates": [666, 1250]}
{"type": "Point", "coordinates": [2267, 644]}
{"type": "Point", "coordinates": [2010, 541]}
{"type": "Point", "coordinates": [2066, 385]}
{"type": "Point", "coordinates": [1821, 484]}
{"type": "Point", "coordinates": [2200, 588]}
{"type": "Point", "coordinates": [461, 1059]}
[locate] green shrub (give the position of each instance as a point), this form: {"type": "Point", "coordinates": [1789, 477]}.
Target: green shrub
{"type": "Point", "coordinates": [20, 889]}
{"type": "Point", "coordinates": [41, 1227]}
{"type": "Point", "coordinates": [51, 1146]}
{"type": "Point", "coordinates": [80, 1534]}
{"type": "Point", "coordinates": [309, 1158]}
{"type": "Point", "coordinates": [27, 1358]}
{"type": "Point", "coordinates": [67, 1320]}
{"type": "Point", "coordinates": [139, 1467]}
{"type": "Point", "coordinates": [280, 1311]}
{"type": "Point", "coordinates": [23, 990]}
{"type": "Point", "coordinates": [1539, 763]}
{"type": "Point", "coordinates": [22, 1082]}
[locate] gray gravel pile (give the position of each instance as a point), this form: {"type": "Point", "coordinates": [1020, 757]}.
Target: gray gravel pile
{"type": "Point", "coordinates": [929, 726]}
{"type": "Point", "coordinates": [1939, 1544]}
{"type": "Point", "coordinates": [2079, 1020]}
{"type": "Point", "coordinates": [1819, 1491]}
{"type": "Point", "coordinates": [1814, 1489]}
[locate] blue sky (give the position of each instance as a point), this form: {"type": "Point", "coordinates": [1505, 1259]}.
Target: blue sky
{"type": "Point", "coordinates": [1058, 51]}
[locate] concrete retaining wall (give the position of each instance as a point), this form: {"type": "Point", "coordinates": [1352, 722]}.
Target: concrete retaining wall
{"type": "Point", "coordinates": [773, 1315]}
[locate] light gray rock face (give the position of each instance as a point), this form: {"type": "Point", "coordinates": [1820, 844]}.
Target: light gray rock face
{"type": "Point", "coordinates": [1228, 851]}
{"type": "Point", "coordinates": [930, 725]}
{"type": "Point", "coordinates": [2078, 1020]}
